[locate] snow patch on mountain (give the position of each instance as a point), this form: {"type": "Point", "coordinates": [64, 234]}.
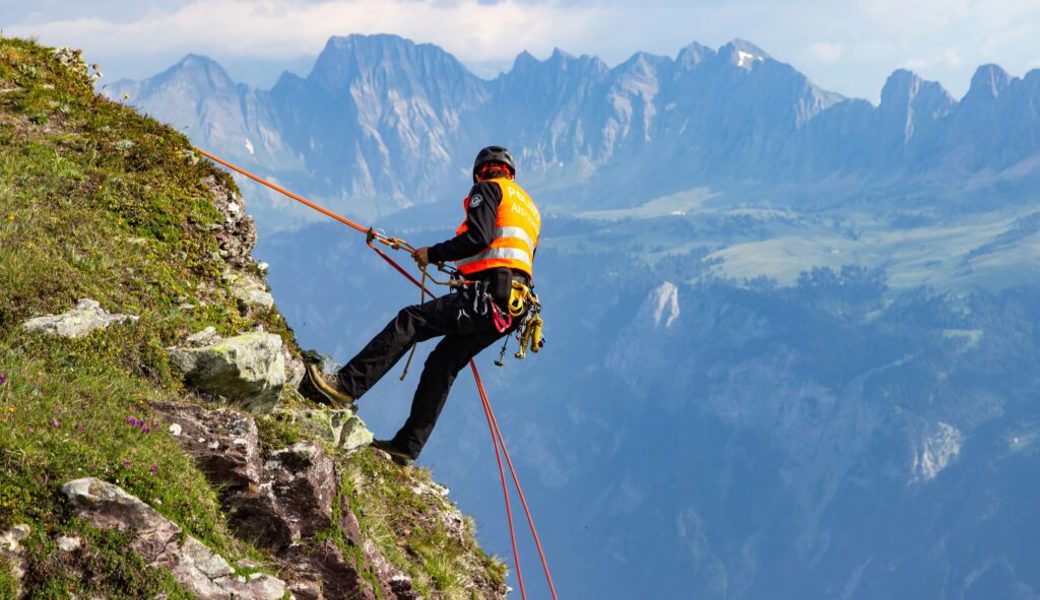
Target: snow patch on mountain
{"type": "Point", "coordinates": [937, 448]}
{"type": "Point", "coordinates": [665, 300]}
{"type": "Point", "coordinates": [744, 59]}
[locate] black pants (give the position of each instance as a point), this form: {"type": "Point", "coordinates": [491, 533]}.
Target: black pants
{"type": "Point", "coordinates": [465, 335]}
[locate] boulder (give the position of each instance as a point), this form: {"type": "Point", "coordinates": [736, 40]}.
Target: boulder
{"type": "Point", "coordinates": [224, 443]}
{"type": "Point", "coordinates": [248, 369]}
{"type": "Point", "coordinates": [78, 322]}
{"type": "Point", "coordinates": [249, 291]}
{"type": "Point", "coordinates": [163, 544]}
{"type": "Point", "coordinates": [341, 427]}
{"type": "Point", "coordinates": [282, 500]}
{"type": "Point", "coordinates": [294, 369]}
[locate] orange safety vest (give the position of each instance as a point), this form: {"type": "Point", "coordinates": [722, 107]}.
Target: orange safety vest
{"type": "Point", "coordinates": [516, 233]}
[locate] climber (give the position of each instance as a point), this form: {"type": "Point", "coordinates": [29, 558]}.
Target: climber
{"type": "Point", "coordinates": [494, 246]}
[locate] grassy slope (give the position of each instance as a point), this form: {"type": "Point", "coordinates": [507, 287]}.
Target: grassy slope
{"type": "Point", "coordinates": [97, 201]}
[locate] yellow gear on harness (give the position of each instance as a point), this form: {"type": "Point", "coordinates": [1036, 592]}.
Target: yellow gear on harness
{"type": "Point", "coordinates": [523, 299]}
{"type": "Point", "coordinates": [530, 336]}
{"type": "Point", "coordinates": [519, 297]}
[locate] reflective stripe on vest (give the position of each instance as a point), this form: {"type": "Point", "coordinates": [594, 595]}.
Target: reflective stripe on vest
{"type": "Point", "coordinates": [517, 227]}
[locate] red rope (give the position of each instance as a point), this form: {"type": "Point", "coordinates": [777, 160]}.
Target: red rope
{"type": "Point", "coordinates": [492, 425]}
{"type": "Point", "coordinates": [519, 490]}
{"type": "Point", "coordinates": [496, 433]}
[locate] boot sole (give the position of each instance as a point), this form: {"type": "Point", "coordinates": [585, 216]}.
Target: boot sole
{"type": "Point", "coordinates": [396, 456]}
{"type": "Point", "coordinates": [330, 395]}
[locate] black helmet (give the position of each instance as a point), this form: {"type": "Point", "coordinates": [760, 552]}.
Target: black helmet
{"type": "Point", "coordinates": [493, 154]}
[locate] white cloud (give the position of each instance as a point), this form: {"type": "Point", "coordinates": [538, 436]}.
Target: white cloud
{"type": "Point", "coordinates": [825, 52]}
{"type": "Point", "coordinates": [279, 28]}
{"type": "Point", "coordinates": [945, 57]}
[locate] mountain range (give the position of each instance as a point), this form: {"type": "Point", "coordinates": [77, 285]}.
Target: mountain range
{"type": "Point", "coordinates": [381, 123]}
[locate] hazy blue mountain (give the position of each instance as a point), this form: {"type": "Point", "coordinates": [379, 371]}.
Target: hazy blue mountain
{"type": "Point", "coordinates": [835, 438]}
{"type": "Point", "coordinates": [382, 123]}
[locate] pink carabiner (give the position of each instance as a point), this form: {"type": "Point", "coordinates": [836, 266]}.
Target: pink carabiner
{"type": "Point", "coordinates": [501, 324]}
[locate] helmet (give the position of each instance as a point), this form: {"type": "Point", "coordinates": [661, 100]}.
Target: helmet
{"type": "Point", "coordinates": [493, 154]}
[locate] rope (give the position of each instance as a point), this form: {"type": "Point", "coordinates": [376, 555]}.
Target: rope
{"type": "Point", "coordinates": [519, 490]}
{"type": "Point", "coordinates": [496, 433]}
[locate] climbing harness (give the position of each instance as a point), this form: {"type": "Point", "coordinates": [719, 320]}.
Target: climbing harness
{"type": "Point", "coordinates": [454, 281]}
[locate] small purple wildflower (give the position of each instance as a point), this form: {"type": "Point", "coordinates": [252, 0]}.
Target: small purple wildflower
{"type": "Point", "coordinates": [130, 421]}
{"type": "Point", "coordinates": [54, 422]}
{"type": "Point", "coordinates": [154, 469]}
{"type": "Point", "coordinates": [146, 429]}
{"type": "Point", "coordinates": [80, 426]}
{"type": "Point", "coordinates": [3, 378]}
{"type": "Point", "coordinates": [126, 464]}
{"type": "Point", "coordinates": [31, 430]}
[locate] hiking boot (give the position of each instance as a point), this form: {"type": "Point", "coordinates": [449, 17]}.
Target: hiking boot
{"type": "Point", "coordinates": [396, 454]}
{"type": "Point", "coordinates": [324, 389]}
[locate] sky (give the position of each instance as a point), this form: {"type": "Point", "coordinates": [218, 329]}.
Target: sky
{"type": "Point", "coordinates": [846, 46]}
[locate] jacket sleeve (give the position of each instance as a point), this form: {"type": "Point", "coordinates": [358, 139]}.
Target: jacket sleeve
{"type": "Point", "coordinates": [481, 215]}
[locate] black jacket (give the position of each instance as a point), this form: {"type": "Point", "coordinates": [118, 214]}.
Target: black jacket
{"type": "Point", "coordinates": [481, 215]}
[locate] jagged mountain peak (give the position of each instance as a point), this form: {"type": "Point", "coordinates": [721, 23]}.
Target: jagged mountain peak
{"type": "Point", "coordinates": [200, 63]}
{"type": "Point", "coordinates": [558, 54]}
{"type": "Point", "coordinates": [377, 46]}
{"type": "Point", "coordinates": [900, 86]}
{"type": "Point", "coordinates": [643, 59]}
{"type": "Point", "coordinates": [904, 86]}
{"type": "Point", "coordinates": [202, 71]}
{"type": "Point", "coordinates": [743, 53]}
{"type": "Point", "coordinates": [526, 64]}
{"type": "Point", "coordinates": [345, 58]}
{"type": "Point", "coordinates": [693, 54]}
{"type": "Point", "coordinates": [989, 81]}
{"type": "Point", "coordinates": [198, 60]}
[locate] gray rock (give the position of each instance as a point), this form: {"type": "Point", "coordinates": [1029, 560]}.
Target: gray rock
{"type": "Point", "coordinates": [247, 369]}
{"type": "Point", "coordinates": [225, 443]}
{"type": "Point", "coordinates": [342, 427]}
{"type": "Point", "coordinates": [349, 431]}
{"type": "Point", "coordinates": [280, 503]}
{"type": "Point", "coordinates": [68, 543]}
{"type": "Point", "coordinates": [294, 368]}
{"type": "Point", "coordinates": [203, 338]}
{"type": "Point", "coordinates": [163, 544]}
{"type": "Point", "coordinates": [250, 291]}
{"type": "Point", "coordinates": [78, 322]}
{"type": "Point", "coordinates": [236, 234]}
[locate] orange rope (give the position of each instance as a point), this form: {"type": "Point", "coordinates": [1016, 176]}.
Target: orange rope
{"type": "Point", "coordinates": [300, 199]}
{"type": "Point", "coordinates": [496, 434]}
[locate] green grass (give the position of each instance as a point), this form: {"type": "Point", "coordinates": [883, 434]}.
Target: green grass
{"type": "Point", "coordinates": [99, 202]}
{"type": "Point", "coordinates": [407, 529]}
{"type": "Point", "coordinates": [54, 574]}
